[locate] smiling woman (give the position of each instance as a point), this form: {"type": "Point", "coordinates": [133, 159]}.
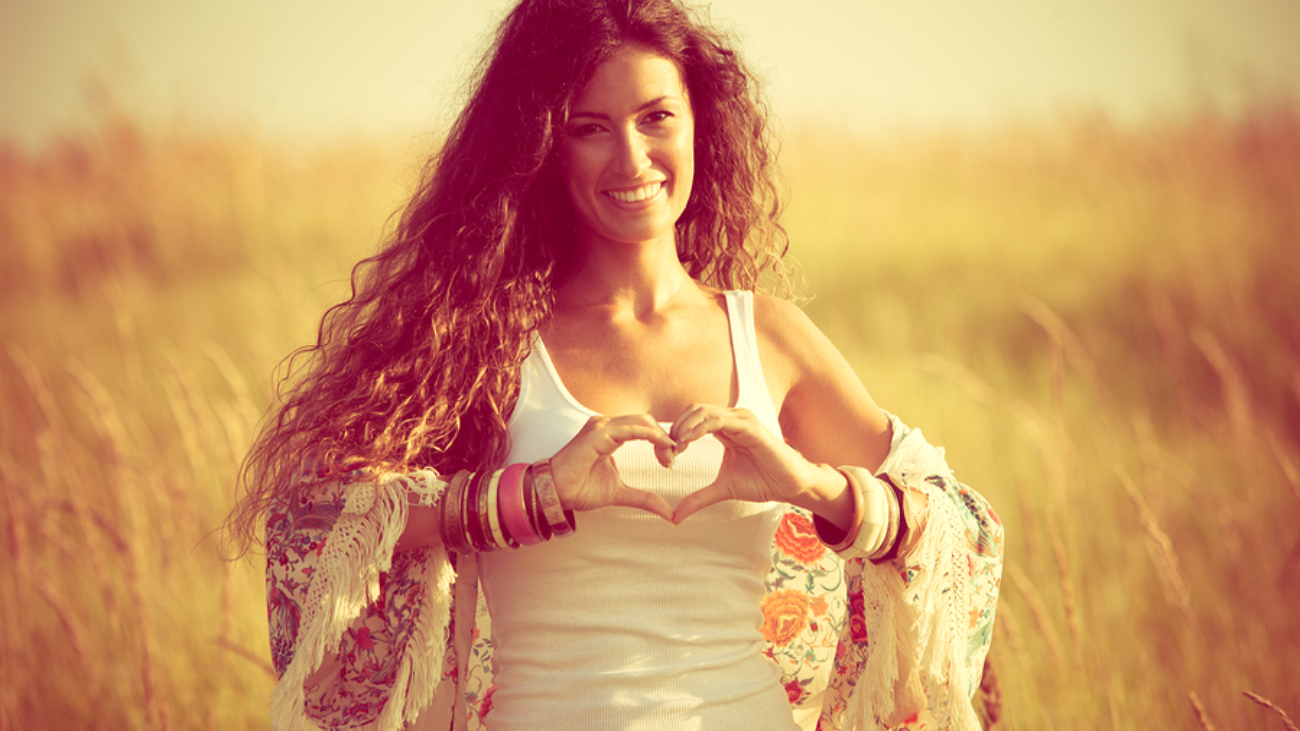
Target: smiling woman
{"type": "Point", "coordinates": [564, 323]}
{"type": "Point", "coordinates": [629, 157]}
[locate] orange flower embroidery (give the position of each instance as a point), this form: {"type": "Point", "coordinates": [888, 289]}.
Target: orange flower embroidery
{"type": "Point", "coordinates": [785, 614]}
{"type": "Point", "coordinates": [797, 538]}
{"type": "Point", "coordinates": [818, 606]}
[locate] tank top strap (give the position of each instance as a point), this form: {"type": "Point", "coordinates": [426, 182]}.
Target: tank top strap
{"type": "Point", "coordinates": [751, 385]}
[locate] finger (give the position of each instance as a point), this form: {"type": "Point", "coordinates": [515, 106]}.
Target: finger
{"type": "Point", "coordinates": [613, 434]}
{"type": "Point", "coordinates": [665, 454]}
{"type": "Point", "coordinates": [709, 422]}
{"type": "Point", "coordinates": [699, 500]}
{"type": "Point", "coordinates": [631, 497]}
{"type": "Point", "coordinates": [687, 423]}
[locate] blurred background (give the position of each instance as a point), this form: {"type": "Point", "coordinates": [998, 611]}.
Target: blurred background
{"type": "Point", "coordinates": [1064, 238]}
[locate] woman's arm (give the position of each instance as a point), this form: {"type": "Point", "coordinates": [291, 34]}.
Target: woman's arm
{"type": "Point", "coordinates": [825, 411]}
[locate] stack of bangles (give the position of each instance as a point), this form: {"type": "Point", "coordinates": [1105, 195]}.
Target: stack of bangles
{"type": "Point", "coordinates": [512, 507]}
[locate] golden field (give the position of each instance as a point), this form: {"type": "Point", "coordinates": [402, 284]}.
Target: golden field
{"type": "Point", "coordinates": [1100, 323]}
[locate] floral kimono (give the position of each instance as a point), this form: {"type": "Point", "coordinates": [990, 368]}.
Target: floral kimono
{"type": "Point", "coordinates": [861, 646]}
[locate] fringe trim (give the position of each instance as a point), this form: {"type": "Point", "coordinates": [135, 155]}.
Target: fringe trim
{"type": "Point", "coordinates": [917, 631]}
{"type": "Point", "coordinates": [360, 548]}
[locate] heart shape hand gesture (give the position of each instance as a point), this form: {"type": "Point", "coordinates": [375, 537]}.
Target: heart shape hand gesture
{"type": "Point", "coordinates": [756, 467]}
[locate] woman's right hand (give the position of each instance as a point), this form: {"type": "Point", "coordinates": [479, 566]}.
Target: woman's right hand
{"type": "Point", "coordinates": [584, 472]}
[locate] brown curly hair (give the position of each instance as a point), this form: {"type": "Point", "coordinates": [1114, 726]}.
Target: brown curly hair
{"type": "Point", "coordinates": [419, 367]}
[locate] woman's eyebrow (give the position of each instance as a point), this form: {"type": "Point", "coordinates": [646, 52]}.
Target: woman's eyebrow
{"type": "Point", "coordinates": [600, 115]}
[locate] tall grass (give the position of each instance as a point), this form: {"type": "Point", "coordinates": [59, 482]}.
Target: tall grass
{"type": "Point", "coordinates": [1100, 323]}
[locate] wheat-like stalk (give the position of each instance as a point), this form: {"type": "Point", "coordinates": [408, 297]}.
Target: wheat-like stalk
{"type": "Point", "coordinates": [1067, 591]}
{"type": "Point", "coordinates": [1037, 609]}
{"type": "Point", "coordinates": [248, 655]}
{"type": "Point", "coordinates": [1201, 716]}
{"type": "Point", "coordinates": [1236, 396]}
{"type": "Point", "coordinates": [1286, 720]}
{"type": "Point", "coordinates": [1284, 462]}
{"type": "Point", "coordinates": [1166, 559]}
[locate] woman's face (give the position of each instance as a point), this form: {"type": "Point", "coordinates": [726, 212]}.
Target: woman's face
{"type": "Point", "coordinates": [628, 150]}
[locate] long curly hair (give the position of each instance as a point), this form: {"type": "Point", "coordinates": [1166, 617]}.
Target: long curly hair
{"type": "Point", "coordinates": [419, 367]}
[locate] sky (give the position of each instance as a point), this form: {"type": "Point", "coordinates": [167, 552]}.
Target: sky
{"type": "Point", "coordinates": [319, 68]}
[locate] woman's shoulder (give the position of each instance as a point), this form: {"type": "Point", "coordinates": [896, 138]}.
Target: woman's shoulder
{"type": "Point", "coordinates": [786, 327]}
{"type": "Point", "coordinates": [789, 343]}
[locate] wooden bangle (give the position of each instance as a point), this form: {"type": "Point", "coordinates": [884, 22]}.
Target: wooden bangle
{"type": "Point", "coordinates": [535, 519]}
{"type": "Point", "coordinates": [824, 526]}
{"type": "Point", "coordinates": [561, 521]}
{"type": "Point", "coordinates": [475, 521]}
{"type": "Point", "coordinates": [453, 512]}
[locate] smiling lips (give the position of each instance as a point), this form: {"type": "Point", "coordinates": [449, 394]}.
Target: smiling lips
{"type": "Point", "coordinates": [636, 194]}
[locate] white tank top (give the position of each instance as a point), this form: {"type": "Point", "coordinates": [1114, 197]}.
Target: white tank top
{"type": "Point", "coordinates": [633, 623]}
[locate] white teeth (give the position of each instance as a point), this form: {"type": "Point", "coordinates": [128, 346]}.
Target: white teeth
{"type": "Point", "coordinates": [632, 196]}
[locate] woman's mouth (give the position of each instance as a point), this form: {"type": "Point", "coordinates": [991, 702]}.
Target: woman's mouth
{"type": "Point", "coordinates": [636, 194]}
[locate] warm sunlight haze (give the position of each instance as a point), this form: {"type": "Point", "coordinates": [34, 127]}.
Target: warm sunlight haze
{"type": "Point", "coordinates": [1064, 237]}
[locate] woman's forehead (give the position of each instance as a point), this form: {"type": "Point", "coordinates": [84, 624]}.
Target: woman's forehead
{"type": "Point", "coordinates": [628, 80]}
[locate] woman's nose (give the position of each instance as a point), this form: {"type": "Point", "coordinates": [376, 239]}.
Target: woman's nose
{"type": "Point", "coordinates": [633, 154]}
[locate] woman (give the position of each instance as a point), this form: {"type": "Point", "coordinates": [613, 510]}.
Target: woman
{"type": "Point", "coordinates": [562, 333]}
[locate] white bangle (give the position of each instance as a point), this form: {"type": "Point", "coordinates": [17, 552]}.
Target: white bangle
{"type": "Point", "coordinates": [494, 515]}
{"type": "Point", "coordinates": [875, 517]}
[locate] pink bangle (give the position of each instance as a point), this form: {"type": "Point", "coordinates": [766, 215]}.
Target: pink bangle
{"type": "Point", "coordinates": [511, 502]}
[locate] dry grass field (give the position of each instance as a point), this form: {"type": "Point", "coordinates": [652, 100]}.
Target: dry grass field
{"type": "Point", "coordinates": [1101, 324]}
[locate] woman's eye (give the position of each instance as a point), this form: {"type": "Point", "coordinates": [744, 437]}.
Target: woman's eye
{"type": "Point", "coordinates": [584, 130]}
{"type": "Point", "coordinates": [656, 117]}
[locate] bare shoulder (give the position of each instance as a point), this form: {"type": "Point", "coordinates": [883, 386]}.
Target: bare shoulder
{"type": "Point", "coordinates": [787, 333]}
{"type": "Point", "coordinates": [793, 350]}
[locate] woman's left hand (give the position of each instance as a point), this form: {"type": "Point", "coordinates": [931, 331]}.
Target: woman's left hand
{"type": "Point", "coordinates": [757, 466]}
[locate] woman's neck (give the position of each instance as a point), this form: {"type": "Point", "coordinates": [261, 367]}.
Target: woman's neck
{"type": "Point", "coordinates": [630, 279]}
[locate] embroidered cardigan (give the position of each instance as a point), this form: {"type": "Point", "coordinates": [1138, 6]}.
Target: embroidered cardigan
{"type": "Point", "coordinates": [861, 646]}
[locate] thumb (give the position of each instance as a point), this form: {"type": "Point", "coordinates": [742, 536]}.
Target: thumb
{"type": "Point", "coordinates": [702, 498]}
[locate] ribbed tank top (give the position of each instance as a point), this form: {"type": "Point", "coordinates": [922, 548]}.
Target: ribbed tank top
{"type": "Point", "coordinates": [632, 623]}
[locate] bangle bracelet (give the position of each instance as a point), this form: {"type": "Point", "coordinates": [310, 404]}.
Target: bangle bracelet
{"type": "Point", "coordinates": [493, 510]}
{"type": "Point", "coordinates": [514, 514]}
{"type": "Point", "coordinates": [484, 527]}
{"type": "Point", "coordinates": [465, 497]}
{"type": "Point", "coordinates": [855, 523]}
{"type": "Point", "coordinates": [473, 526]}
{"type": "Point", "coordinates": [561, 521]}
{"type": "Point", "coordinates": [453, 512]}
{"type": "Point", "coordinates": [889, 546]}
{"type": "Point", "coordinates": [480, 514]}
{"type": "Point", "coordinates": [535, 519]}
